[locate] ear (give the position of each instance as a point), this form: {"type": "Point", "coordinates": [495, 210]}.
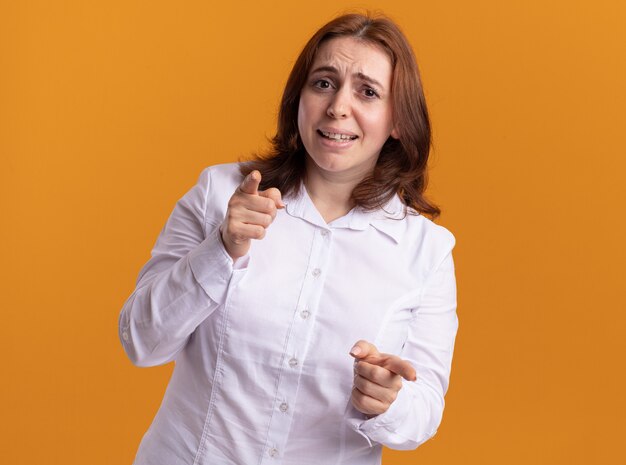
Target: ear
{"type": "Point", "coordinates": [394, 133]}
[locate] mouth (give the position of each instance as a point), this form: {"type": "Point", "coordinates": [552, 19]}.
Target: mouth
{"type": "Point", "coordinates": [337, 136]}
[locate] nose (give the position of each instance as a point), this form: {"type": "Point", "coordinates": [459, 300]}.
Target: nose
{"type": "Point", "coordinates": [339, 106]}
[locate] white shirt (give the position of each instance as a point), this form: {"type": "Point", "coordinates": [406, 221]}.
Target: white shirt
{"type": "Point", "coordinates": [263, 374]}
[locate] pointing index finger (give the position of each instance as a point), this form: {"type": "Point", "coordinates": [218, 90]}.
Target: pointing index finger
{"type": "Point", "coordinates": [399, 366]}
{"type": "Point", "coordinates": [367, 352]}
{"type": "Point", "coordinates": [394, 364]}
{"type": "Point", "coordinates": [275, 195]}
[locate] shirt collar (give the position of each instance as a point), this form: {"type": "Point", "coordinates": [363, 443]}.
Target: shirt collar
{"type": "Point", "coordinates": [385, 220]}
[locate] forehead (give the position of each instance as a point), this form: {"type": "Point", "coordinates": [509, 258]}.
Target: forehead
{"type": "Point", "coordinates": [356, 56]}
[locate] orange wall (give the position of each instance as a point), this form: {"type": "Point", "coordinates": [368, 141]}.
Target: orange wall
{"type": "Point", "coordinates": [109, 110]}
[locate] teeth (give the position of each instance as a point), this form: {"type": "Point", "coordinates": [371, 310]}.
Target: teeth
{"type": "Point", "coordinates": [336, 136]}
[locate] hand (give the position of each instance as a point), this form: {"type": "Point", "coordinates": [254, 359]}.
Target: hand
{"type": "Point", "coordinates": [377, 378]}
{"type": "Point", "coordinates": [249, 214]}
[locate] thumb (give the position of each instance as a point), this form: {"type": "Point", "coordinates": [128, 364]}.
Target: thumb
{"type": "Point", "coordinates": [250, 183]}
{"type": "Point", "coordinates": [363, 349]}
{"type": "Point", "coordinates": [367, 352]}
{"type": "Point", "coordinates": [275, 195]}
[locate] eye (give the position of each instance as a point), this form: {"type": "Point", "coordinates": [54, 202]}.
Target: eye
{"type": "Point", "coordinates": [370, 93]}
{"type": "Point", "coordinates": [322, 84]}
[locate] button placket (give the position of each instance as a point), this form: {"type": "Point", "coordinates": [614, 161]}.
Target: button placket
{"type": "Point", "coordinates": [297, 345]}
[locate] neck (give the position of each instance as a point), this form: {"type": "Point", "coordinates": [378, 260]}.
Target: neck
{"type": "Point", "coordinates": [330, 193]}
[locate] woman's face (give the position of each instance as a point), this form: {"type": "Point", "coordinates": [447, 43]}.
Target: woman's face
{"type": "Point", "coordinates": [345, 113]}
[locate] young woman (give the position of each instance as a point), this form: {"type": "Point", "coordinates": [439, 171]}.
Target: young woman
{"type": "Point", "coordinates": [309, 304]}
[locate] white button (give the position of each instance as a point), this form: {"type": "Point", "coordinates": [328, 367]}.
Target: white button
{"type": "Point", "coordinates": [324, 233]}
{"type": "Point", "coordinates": [293, 362]}
{"type": "Point", "coordinates": [125, 336]}
{"type": "Point", "coordinates": [273, 452]}
{"type": "Point", "coordinates": [305, 314]}
{"type": "Point", "coordinates": [317, 272]}
{"type": "Point", "coordinates": [283, 407]}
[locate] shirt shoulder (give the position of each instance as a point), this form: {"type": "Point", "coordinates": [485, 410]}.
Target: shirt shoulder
{"type": "Point", "coordinates": [223, 178]}
{"type": "Point", "coordinates": [218, 183]}
{"type": "Point", "coordinates": [439, 236]}
{"type": "Point", "coordinates": [428, 242]}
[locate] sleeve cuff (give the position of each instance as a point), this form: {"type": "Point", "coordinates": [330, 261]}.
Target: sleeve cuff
{"type": "Point", "coordinates": [212, 267]}
{"type": "Point", "coordinates": [395, 414]}
{"type": "Point", "coordinates": [377, 429]}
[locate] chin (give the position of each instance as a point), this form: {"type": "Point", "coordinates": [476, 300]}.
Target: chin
{"type": "Point", "coordinates": [332, 163]}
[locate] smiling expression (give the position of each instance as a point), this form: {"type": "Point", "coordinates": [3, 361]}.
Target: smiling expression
{"type": "Point", "coordinates": [345, 111]}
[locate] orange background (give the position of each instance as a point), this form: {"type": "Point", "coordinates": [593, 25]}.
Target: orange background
{"type": "Point", "coordinates": [109, 111]}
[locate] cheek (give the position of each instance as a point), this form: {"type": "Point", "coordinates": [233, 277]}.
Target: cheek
{"type": "Point", "coordinates": [379, 125]}
{"type": "Point", "coordinates": [300, 115]}
{"type": "Point", "coordinates": [305, 123]}
{"type": "Point", "coordinates": [306, 113]}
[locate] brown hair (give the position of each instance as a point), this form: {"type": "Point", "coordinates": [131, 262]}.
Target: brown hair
{"type": "Point", "coordinates": [401, 167]}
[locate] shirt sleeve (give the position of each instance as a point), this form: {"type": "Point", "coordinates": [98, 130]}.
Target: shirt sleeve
{"type": "Point", "coordinates": [415, 415]}
{"type": "Point", "coordinates": [182, 284]}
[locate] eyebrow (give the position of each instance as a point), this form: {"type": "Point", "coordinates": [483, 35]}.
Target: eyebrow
{"type": "Point", "coordinates": [361, 76]}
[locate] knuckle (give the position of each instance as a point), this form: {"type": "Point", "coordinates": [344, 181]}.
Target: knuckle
{"type": "Point", "coordinates": [234, 200]}
{"type": "Point", "coordinates": [371, 372]}
{"type": "Point", "coordinates": [357, 399]}
{"type": "Point", "coordinates": [376, 374]}
{"type": "Point", "coordinates": [369, 406]}
{"type": "Point", "coordinates": [230, 230]}
{"type": "Point", "coordinates": [360, 368]}
{"type": "Point", "coordinates": [272, 210]}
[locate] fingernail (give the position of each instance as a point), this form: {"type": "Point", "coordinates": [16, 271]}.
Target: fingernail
{"type": "Point", "coordinates": [356, 350]}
